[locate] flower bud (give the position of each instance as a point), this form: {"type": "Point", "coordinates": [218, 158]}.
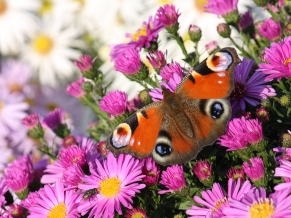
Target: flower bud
{"type": "Point", "coordinates": [223, 30]}
{"type": "Point", "coordinates": [194, 33]}
{"type": "Point", "coordinates": [261, 3]}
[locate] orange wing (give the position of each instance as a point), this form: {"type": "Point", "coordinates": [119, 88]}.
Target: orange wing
{"type": "Point", "coordinates": [212, 78]}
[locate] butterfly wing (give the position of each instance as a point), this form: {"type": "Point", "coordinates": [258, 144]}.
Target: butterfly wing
{"type": "Point", "coordinates": [212, 78]}
{"type": "Point", "coordinates": [138, 133]}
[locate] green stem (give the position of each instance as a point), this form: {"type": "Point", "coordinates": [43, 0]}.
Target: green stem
{"type": "Point", "coordinates": [181, 44]}
{"type": "Point", "coordinates": [243, 52]}
{"type": "Point", "coordinates": [250, 46]}
{"type": "Point", "coordinates": [197, 55]}
{"type": "Point", "coordinates": [152, 83]}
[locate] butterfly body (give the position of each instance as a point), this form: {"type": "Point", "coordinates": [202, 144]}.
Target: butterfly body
{"type": "Point", "coordinates": [175, 129]}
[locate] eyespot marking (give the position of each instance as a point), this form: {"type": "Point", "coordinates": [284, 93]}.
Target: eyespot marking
{"type": "Point", "coordinates": [220, 61]}
{"type": "Point", "coordinates": [121, 135]}
{"type": "Point", "coordinates": [216, 110]}
{"type": "Point", "coordinates": [163, 149]}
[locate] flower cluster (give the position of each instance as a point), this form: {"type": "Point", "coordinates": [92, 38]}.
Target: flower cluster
{"type": "Point", "coordinates": [57, 131]}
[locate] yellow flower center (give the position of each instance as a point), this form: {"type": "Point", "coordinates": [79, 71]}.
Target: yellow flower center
{"type": "Point", "coordinates": [43, 44]}
{"type": "Point", "coordinates": [219, 203]}
{"type": "Point", "coordinates": [287, 61]}
{"type": "Point", "coordinates": [165, 2]}
{"type": "Point", "coordinates": [262, 208]}
{"type": "Point", "coordinates": [137, 215]}
{"type": "Point", "coordinates": [58, 211]}
{"type": "Point", "coordinates": [1, 105]}
{"type": "Point", "coordinates": [141, 32]}
{"type": "Point", "coordinates": [3, 6]}
{"type": "Point", "coordinates": [199, 4]}
{"type": "Point", "coordinates": [51, 106]}
{"type": "Point", "coordinates": [46, 6]}
{"type": "Point", "coordinates": [110, 187]}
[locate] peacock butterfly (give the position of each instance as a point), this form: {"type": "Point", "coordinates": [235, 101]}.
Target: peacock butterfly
{"type": "Point", "coordinates": [175, 129]}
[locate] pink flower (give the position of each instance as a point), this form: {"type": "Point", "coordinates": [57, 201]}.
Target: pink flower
{"type": "Point", "coordinates": [284, 171]}
{"type": "Point", "coordinates": [73, 175]}
{"type": "Point", "coordinates": [168, 15]}
{"type": "Point", "coordinates": [248, 89]}
{"type": "Point", "coordinates": [203, 170]}
{"type": "Point", "coordinates": [151, 171]}
{"type": "Point", "coordinates": [173, 179]}
{"type": "Point", "coordinates": [55, 118]}
{"type": "Point", "coordinates": [135, 213]}
{"type": "Point", "coordinates": [168, 71]}
{"type": "Point", "coordinates": [117, 181]}
{"type": "Point", "coordinates": [240, 132]}
{"type": "Point", "coordinates": [156, 94]}
{"type": "Point", "coordinates": [156, 59]}
{"type": "Point", "coordinates": [142, 38]}
{"type": "Point", "coordinates": [114, 103]}
{"type": "Point", "coordinates": [215, 200]}
{"type": "Point", "coordinates": [72, 155]}
{"type": "Point", "coordinates": [85, 64]}
{"type": "Point", "coordinates": [221, 7]}
{"type": "Point", "coordinates": [31, 121]}
{"type": "Point", "coordinates": [278, 60]}
{"type": "Point", "coordinates": [102, 149]}
{"type": "Point", "coordinates": [256, 204]}
{"type": "Point", "coordinates": [271, 30]}
{"type": "Point", "coordinates": [54, 201]}
{"type": "Point", "coordinates": [128, 62]}
{"type": "Point", "coordinates": [236, 174]}
{"type": "Point", "coordinates": [255, 171]}
{"type": "Point", "coordinates": [211, 47]}
{"type": "Point", "coordinates": [75, 88]}
{"type": "Point", "coordinates": [3, 190]}
{"type": "Point", "coordinates": [246, 21]}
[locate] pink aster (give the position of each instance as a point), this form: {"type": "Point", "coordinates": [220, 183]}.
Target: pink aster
{"type": "Point", "coordinates": [246, 21]}
{"type": "Point", "coordinates": [31, 199]}
{"type": "Point", "coordinates": [240, 132]}
{"type": "Point", "coordinates": [54, 202]}
{"type": "Point", "coordinates": [256, 203]}
{"type": "Point", "coordinates": [156, 59]}
{"type": "Point", "coordinates": [203, 170]}
{"type": "Point", "coordinates": [256, 170]}
{"type": "Point", "coordinates": [168, 15]}
{"type": "Point", "coordinates": [3, 190]}
{"type": "Point", "coordinates": [114, 103]}
{"type": "Point", "coordinates": [55, 118]}
{"type": "Point", "coordinates": [117, 181]}
{"type": "Point", "coordinates": [143, 37]}
{"type": "Point", "coordinates": [173, 178]}
{"type": "Point", "coordinates": [156, 94]}
{"type": "Point", "coordinates": [53, 173]}
{"type": "Point", "coordinates": [285, 154]}
{"type": "Point", "coordinates": [151, 170]}
{"type": "Point", "coordinates": [221, 7]}
{"type": "Point", "coordinates": [128, 62]}
{"type": "Point", "coordinates": [248, 89]}
{"type": "Point", "coordinates": [135, 212]}
{"type": "Point", "coordinates": [236, 174]}
{"type": "Point", "coordinates": [278, 60]}
{"type": "Point", "coordinates": [75, 88]}
{"type": "Point", "coordinates": [215, 200]}
{"type": "Point", "coordinates": [211, 47]}
{"type": "Point", "coordinates": [271, 30]}
{"type": "Point", "coordinates": [85, 63]}
{"type": "Point", "coordinates": [72, 155]}
{"type": "Point", "coordinates": [284, 171]}
{"type": "Point", "coordinates": [31, 121]}
{"type": "Point", "coordinates": [73, 176]}
{"type": "Point", "coordinates": [168, 71]}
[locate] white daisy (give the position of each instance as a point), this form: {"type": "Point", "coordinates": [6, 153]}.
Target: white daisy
{"type": "Point", "coordinates": [52, 50]}
{"type": "Point", "coordinates": [17, 22]}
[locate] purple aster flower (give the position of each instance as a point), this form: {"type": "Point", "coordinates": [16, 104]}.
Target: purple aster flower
{"type": "Point", "coordinates": [35, 129]}
{"type": "Point", "coordinates": [102, 149]}
{"type": "Point", "coordinates": [75, 88]}
{"type": "Point", "coordinates": [256, 204]}
{"type": "Point", "coordinates": [32, 198]}
{"type": "Point", "coordinates": [240, 132]}
{"type": "Point", "coordinates": [278, 60]}
{"type": "Point", "coordinates": [3, 190]}
{"type": "Point", "coordinates": [285, 154]}
{"type": "Point", "coordinates": [245, 21]}
{"type": "Point", "coordinates": [72, 155]}
{"type": "Point", "coordinates": [55, 118]}
{"type": "Point", "coordinates": [248, 89]}
{"type": "Point", "coordinates": [85, 63]}
{"type": "Point", "coordinates": [203, 170]}
{"type": "Point", "coordinates": [168, 15]}
{"type": "Point", "coordinates": [156, 59]}
{"type": "Point", "coordinates": [215, 200]}
{"type": "Point", "coordinates": [13, 110]}
{"type": "Point", "coordinates": [128, 62]}
{"type": "Point", "coordinates": [256, 170]}
{"type": "Point", "coordinates": [211, 47]}
{"type": "Point", "coordinates": [55, 201]}
{"type": "Point", "coordinates": [173, 178]}
{"type": "Point", "coordinates": [221, 7]}
{"type": "Point", "coordinates": [53, 173]}
{"type": "Point", "coordinates": [151, 170]}
{"type": "Point", "coordinates": [114, 103]}
{"type": "Point", "coordinates": [156, 94]}
{"type": "Point", "coordinates": [117, 180]}
{"type": "Point", "coordinates": [271, 30]}
{"type": "Point", "coordinates": [284, 171]}
{"type": "Point", "coordinates": [168, 71]}
{"type": "Point", "coordinates": [15, 76]}
{"type": "Point", "coordinates": [142, 38]}
{"type": "Point", "coordinates": [73, 176]}
{"type": "Point", "coordinates": [236, 174]}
